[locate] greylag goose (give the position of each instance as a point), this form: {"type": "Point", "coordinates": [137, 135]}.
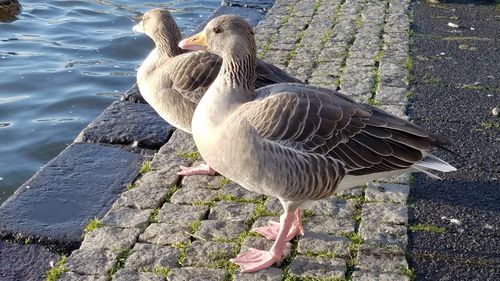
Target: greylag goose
{"type": "Point", "coordinates": [293, 141]}
{"type": "Point", "coordinates": [173, 81]}
{"type": "Point", "coordinates": [9, 9]}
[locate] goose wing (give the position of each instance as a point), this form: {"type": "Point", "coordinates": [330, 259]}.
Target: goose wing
{"type": "Point", "coordinates": [192, 73]}
{"type": "Point", "coordinates": [317, 120]}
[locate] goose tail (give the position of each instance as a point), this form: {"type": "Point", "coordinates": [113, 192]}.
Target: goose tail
{"type": "Point", "coordinates": [431, 162]}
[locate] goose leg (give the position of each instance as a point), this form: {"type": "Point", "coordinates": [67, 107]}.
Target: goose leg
{"type": "Point", "coordinates": [271, 231]}
{"type": "Point", "coordinates": [254, 260]}
{"type": "Point", "coordinates": [202, 169]}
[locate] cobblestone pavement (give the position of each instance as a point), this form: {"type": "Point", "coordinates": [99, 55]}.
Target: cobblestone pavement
{"type": "Point", "coordinates": [165, 227]}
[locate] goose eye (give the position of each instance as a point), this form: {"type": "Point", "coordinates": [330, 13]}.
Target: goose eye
{"type": "Point", "coordinates": [217, 29]}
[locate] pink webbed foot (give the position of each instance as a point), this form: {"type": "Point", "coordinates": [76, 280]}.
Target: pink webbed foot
{"type": "Point", "coordinates": [202, 169]}
{"type": "Point", "coordinates": [271, 231]}
{"type": "Point", "coordinates": [254, 260]}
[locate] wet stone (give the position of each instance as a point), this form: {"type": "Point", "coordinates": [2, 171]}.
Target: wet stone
{"type": "Point", "coordinates": [147, 256]}
{"type": "Point", "coordinates": [386, 192]}
{"type": "Point", "coordinates": [314, 267]}
{"type": "Point", "coordinates": [127, 217]}
{"type": "Point", "coordinates": [384, 234]}
{"type": "Point", "coordinates": [24, 262]}
{"type": "Point", "coordinates": [389, 213]}
{"type": "Point", "coordinates": [209, 252]}
{"type": "Point", "coordinates": [234, 190]}
{"type": "Point", "coordinates": [232, 211]}
{"type": "Point", "coordinates": [268, 274]}
{"type": "Point", "coordinates": [127, 274]}
{"type": "Point", "coordinates": [181, 214]}
{"type": "Point", "coordinates": [320, 243]}
{"type": "Point", "coordinates": [112, 238]}
{"type": "Point", "coordinates": [125, 123]}
{"type": "Point", "coordinates": [196, 274]}
{"type": "Point", "coordinates": [329, 225]}
{"type": "Point", "coordinates": [220, 230]}
{"type": "Point", "coordinates": [91, 261]}
{"type": "Point", "coordinates": [379, 276]}
{"type": "Point", "coordinates": [193, 195]}
{"type": "Point", "coordinates": [165, 234]}
{"type": "Point", "coordinates": [72, 276]}
{"type": "Point", "coordinates": [334, 207]}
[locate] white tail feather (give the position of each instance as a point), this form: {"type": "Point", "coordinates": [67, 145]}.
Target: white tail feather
{"type": "Point", "coordinates": [431, 162]}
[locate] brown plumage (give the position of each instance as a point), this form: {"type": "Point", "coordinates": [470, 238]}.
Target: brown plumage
{"type": "Point", "coordinates": [9, 9]}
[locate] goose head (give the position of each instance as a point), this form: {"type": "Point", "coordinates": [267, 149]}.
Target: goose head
{"type": "Point", "coordinates": [160, 26]}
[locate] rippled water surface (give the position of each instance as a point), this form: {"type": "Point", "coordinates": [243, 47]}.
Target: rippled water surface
{"type": "Point", "coordinates": [62, 63]}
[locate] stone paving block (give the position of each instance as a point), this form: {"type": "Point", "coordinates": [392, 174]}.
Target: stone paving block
{"type": "Point", "coordinates": [399, 111]}
{"type": "Point", "coordinates": [273, 205]}
{"type": "Point", "coordinates": [220, 230]}
{"type": "Point", "coordinates": [203, 182]}
{"type": "Point", "coordinates": [24, 262]}
{"type": "Point", "coordinates": [193, 195]}
{"type": "Point", "coordinates": [232, 211]}
{"type": "Point", "coordinates": [387, 192]}
{"type": "Point", "coordinates": [391, 95]}
{"type": "Point", "coordinates": [142, 197]}
{"type": "Point", "coordinates": [264, 221]}
{"type": "Point", "coordinates": [333, 207]}
{"type": "Point", "coordinates": [111, 238]}
{"type": "Point", "coordinates": [378, 276]}
{"type": "Point", "coordinates": [268, 274]}
{"type": "Point", "coordinates": [196, 274]}
{"type": "Point", "coordinates": [72, 276]}
{"type": "Point", "coordinates": [165, 234]}
{"type": "Point", "coordinates": [91, 261]}
{"type": "Point", "coordinates": [179, 143]}
{"type": "Point", "coordinates": [264, 244]}
{"type": "Point", "coordinates": [181, 214]}
{"type": "Point", "coordinates": [127, 274]}
{"type": "Point", "coordinates": [127, 123]}
{"type": "Point", "coordinates": [127, 217]}
{"type": "Point", "coordinates": [208, 252]}
{"type": "Point", "coordinates": [384, 234]}
{"type": "Point", "coordinates": [84, 180]}
{"type": "Point", "coordinates": [389, 213]}
{"type": "Point", "coordinates": [314, 267]}
{"type": "Point", "coordinates": [234, 190]}
{"type": "Point", "coordinates": [351, 192]}
{"type": "Point", "coordinates": [319, 243]}
{"type": "Point", "coordinates": [148, 256]}
{"type": "Point", "coordinates": [329, 225]}
{"type": "Point", "coordinates": [368, 248]}
{"type": "Point", "coordinates": [383, 263]}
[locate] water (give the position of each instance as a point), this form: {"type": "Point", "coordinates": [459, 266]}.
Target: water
{"type": "Point", "coordinates": [61, 63]}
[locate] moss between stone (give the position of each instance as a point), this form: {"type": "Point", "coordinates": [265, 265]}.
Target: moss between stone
{"type": "Point", "coordinates": [408, 272]}
{"type": "Point", "coordinates": [146, 167]}
{"type": "Point", "coordinates": [310, 278]}
{"type": "Point", "coordinates": [153, 217]}
{"type": "Point", "coordinates": [182, 247]}
{"type": "Point", "coordinates": [322, 254]}
{"type": "Point", "coordinates": [130, 186]}
{"type": "Point", "coordinates": [194, 226]}
{"type": "Point", "coordinates": [427, 228]}
{"type": "Point", "coordinates": [122, 256]}
{"type": "Point", "coordinates": [191, 156]}
{"type": "Point", "coordinates": [92, 225]}
{"type": "Point", "coordinates": [161, 271]}
{"type": "Point", "coordinates": [485, 125]}
{"type": "Point", "coordinates": [55, 272]}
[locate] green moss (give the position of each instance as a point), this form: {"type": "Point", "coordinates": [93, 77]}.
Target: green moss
{"type": "Point", "coordinates": [122, 256]}
{"type": "Point", "coordinates": [267, 46]}
{"type": "Point", "coordinates": [130, 186]}
{"type": "Point", "coordinates": [432, 80]}
{"type": "Point", "coordinates": [408, 272]}
{"type": "Point", "coordinates": [92, 225]}
{"type": "Point", "coordinates": [474, 87]}
{"type": "Point", "coordinates": [260, 211]}
{"type": "Point", "coordinates": [194, 226]}
{"type": "Point", "coordinates": [153, 216]}
{"type": "Point", "coordinates": [171, 192]}
{"type": "Point", "coordinates": [55, 272]}
{"type": "Point", "coordinates": [378, 56]}
{"type": "Point", "coordinates": [409, 63]}
{"type": "Point", "coordinates": [356, 241]}
{"type": "Point", "coordinates": [203, 203]}
{"type": "Point", "coordinates": [182, 250]}
{"type": "Point", "coordinates": [324, 254]}
{"type": "Point", "coordinates": [311, 278]}
{"type": "Point", "coordinates": [223, 181]}
{"type": "Point", "coordinates": [357, 22]}
{"type": "Point", "coordinates": [146, 167]}
{"type": "Point", "coordinates": [191, 156]}
{"type": "Point", "coordinates": [160, 270]}
{"type": "Point", "coordinates": [326, 37]}
{"type": "Point", "coordinates": [427, 228]}
{"type": "Point", "coordinates": [485, 125]}
{"type": "Point", "coordinates": [293, 51]}
{"type": "Point", "coordinates": [308, 213]}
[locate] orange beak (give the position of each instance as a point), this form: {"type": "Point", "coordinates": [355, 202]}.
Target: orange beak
{"type": "Point", "coordinates": [195, 42]}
